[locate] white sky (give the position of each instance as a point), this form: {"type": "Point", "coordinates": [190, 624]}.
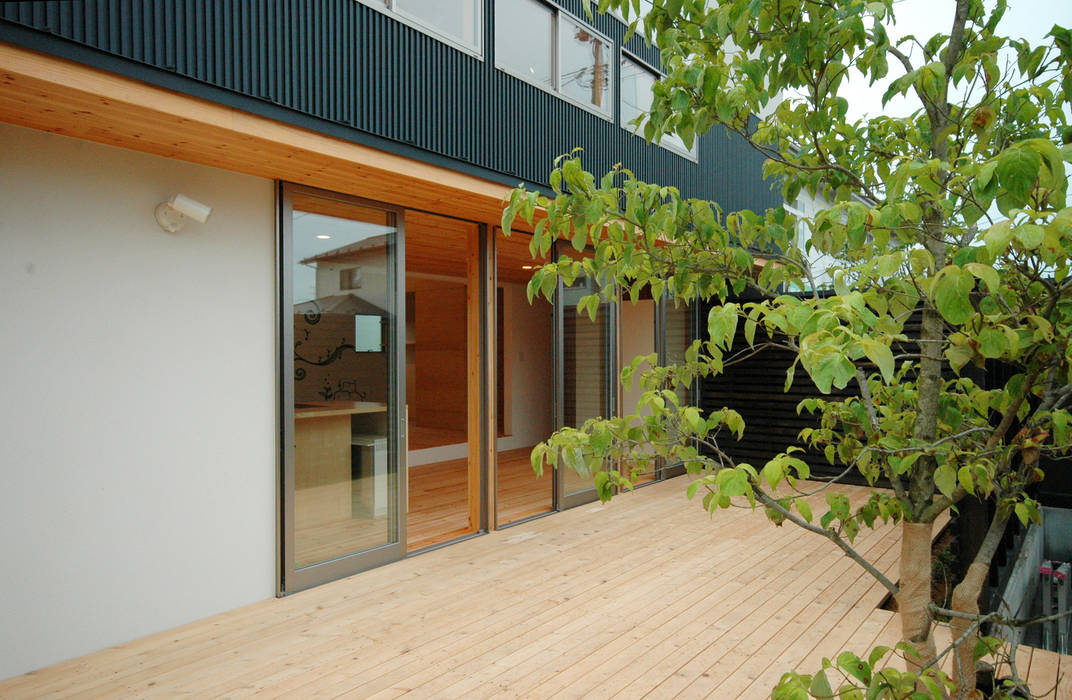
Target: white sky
{"type": "Point", "coordinates": [1027, 19]}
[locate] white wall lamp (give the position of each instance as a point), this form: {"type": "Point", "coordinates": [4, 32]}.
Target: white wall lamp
{"type": "Point", "coordinates": [173, 214]}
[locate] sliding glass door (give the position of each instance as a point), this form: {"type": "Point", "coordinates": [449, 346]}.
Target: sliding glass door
{"type": "Point", "coordinates": [342, 324]}
{"type": "Point", "coordinates": [585, 372]}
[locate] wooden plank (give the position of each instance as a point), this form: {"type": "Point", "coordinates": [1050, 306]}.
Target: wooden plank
{"type": "Point", "coordinates": [599, 600]}
{"type": "Point", "coordinates": [1064, 680]}
{"type": "Point", "coordinates": [1042, 678]}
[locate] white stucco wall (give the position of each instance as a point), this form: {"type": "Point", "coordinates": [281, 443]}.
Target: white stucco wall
{"type": "Point", "coordinates": [137, 426]}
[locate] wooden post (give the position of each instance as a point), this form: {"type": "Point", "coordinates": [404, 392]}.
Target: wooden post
{"type": "Point", "coordinates": [473, 309]}
{"type": "Point", "coordinates": [492, 373]}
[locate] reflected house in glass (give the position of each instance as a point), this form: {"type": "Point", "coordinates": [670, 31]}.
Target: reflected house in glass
{"type": "Point", "coordinates": [345, 320]}
{"type": "Point", "coordinates": [341, 368]}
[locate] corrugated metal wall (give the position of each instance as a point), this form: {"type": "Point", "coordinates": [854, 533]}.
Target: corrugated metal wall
{"type": "Point", "coordinates": [345, 63]}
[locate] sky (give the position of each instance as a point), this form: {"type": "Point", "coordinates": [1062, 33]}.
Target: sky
{"type": "Point", "coordinates": [1028, 19]}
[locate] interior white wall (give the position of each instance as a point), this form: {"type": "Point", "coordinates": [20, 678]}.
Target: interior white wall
{"type": "Point", "coordinates": [532, 371]}
{"type": "Point", "coordinates": [139, 384]}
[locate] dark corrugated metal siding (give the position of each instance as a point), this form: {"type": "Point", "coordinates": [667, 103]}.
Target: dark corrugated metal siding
{"type": "Point", "coordinates": [345, 63]}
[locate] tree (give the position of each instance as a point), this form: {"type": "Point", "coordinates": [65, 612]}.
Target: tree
{"type": "Point", "coordinates": [957, 212]}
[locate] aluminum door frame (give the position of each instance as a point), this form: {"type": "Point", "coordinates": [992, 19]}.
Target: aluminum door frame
{"type": "Point", "coordinates": [292, 580]}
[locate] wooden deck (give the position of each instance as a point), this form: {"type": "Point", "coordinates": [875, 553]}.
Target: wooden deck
{"type": "Point", "coordinates": [644, 597]}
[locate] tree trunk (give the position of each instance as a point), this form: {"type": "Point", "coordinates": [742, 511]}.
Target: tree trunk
{"type": "Point", "coordinates": [966, 600]}
{"type": "Point", "coordinates": [914, 598]}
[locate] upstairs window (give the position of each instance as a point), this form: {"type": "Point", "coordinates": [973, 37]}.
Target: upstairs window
{"type": "Point", "coordinates": [547, 47]}
{"type": "Point", "coordinates": [456, 22]}
{"type": "Point", "coordinates": [524, 40]}
{"type": "Point", "coordinates": [584, 64]}
{"type": "Point", "coordinates": [637, 92]}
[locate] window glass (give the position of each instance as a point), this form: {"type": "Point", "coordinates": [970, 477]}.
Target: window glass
{"type": "Point", "coordinates": [584, 60]}
{"type": "Point", "coordinates": [636, 91]}
{"type": "Point", "coordinates": [344, 496]}
{"type": "Point", "coordinates": [457, 19]}
{"type": "Point", "coordinates": [636, 95]}
{"type": "Point", "coordinates": [524, 40]}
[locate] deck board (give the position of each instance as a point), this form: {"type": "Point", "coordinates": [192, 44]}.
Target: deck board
{"type": "Point", "coordinates": [647, 596]}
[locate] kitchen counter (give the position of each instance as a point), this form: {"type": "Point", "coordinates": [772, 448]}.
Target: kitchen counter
{"type": "Point", "coordinates": [321, 409]}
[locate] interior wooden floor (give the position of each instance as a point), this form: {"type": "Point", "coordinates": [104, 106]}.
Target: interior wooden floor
{"type": "Point", "coordinates": [647, 596]}
{"type": "Point", "coordinates": [437, 504]}
{"type": "Point", "coordinates": [422, 437]}
{"type": "Point", "coordinates": [438, 511]}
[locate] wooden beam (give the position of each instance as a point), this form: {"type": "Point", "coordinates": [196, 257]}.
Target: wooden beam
{"type": "Point", "coordinates": [48, 93]}
{"type": "Point", "coordinates": [474, 308]}
{"type": "Point", "coordinates": [491, 417]}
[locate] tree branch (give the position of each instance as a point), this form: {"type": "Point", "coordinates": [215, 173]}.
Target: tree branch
{"type": "Point", "coordinates": [851, 553]}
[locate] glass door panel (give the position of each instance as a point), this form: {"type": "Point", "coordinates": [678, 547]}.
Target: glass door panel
{"type": "Point", "coordinates": [678, 331]}
{"type": "Point", "coordinates": [443, 325]}
{"type": "Point", "coordinates": [585, 371]}
{"type": "Point", "coordinates": [524, 383]}
{"type": "Point", "coordinates": [341, 390]}
{"type": "Point", "coordinates": [637, 337]}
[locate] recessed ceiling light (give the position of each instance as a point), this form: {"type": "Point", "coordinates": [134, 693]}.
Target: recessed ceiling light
{"type": "Point", "coordinates": [526, 267]}
{"type": "Point", "coordinates": [323, 236]}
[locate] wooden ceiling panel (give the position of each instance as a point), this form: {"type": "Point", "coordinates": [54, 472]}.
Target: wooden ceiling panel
{"type": "Point", "coordinates": [63, 97]}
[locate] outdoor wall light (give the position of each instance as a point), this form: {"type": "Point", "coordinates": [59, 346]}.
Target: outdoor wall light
{"type": "Point", "coordinates": [173, 214]}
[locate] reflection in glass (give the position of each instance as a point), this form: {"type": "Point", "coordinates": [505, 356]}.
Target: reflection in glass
{"type": "Point", "coordinates": [636, 337]}
{"type": "Point", "coordinates": [584, 64]}
{"type": "Point", "coordinates": [345, 485]}
{"type": "Point", "coordinates": [585, 368]}
{"type": "Point", "coordinates": [678, 339]}
{"type": "Point", "coordinates": [523, 39]}
{"type": "Point", "coordinates": [637, 85]}
{"type": "Point", "coordinates": [457, 19]}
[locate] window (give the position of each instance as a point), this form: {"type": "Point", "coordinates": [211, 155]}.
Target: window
{"type": "Point", "coordinates": [636, 92]}
{"type": "Point", "coordinates": [533, 58]}
{"type": "Point", "coordinates": [584, 65]}
{"type": "Point", "coordinates": [555, 51]}
{"type": "Point", "coordinates": [456, 22]}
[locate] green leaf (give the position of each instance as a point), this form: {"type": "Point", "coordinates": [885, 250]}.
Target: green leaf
{"type": "Point", "coordinates": [750, 332]}
{"type": "Point", "coordinates": [1018, 168]}
{"type": "Point", "coordinates": [694, 420]}
{"type": "Point", "coordinates": [952, 294]}
{"type": "Point", "coordinates": [958, 356]}
{"type": "Point", "coordinates": [945, 478]}
{"type": "Point", "coordinates": [992, 343]}
{"type": "Point", "coordinates": [964, 476]}
{"type": "Point", "coordinates": [803, 508]}
{"type": "Point", "coordinates": [1030, 235]}
{"type": "Point", "coordinates": [772, 473]}
{"type": "Point", "coordinates": [1060, 420]}
{"type": "Point", "coordinates": [986, 273]}
{"type": "Point", "coordinates": [820, 686]}
{"type": "Point", "coordinates": [876, 655]}
{"type": "Point", "coordinates": [997, 238]}
{"type": "Point", "coordinates": [735, 423]}
{"type": "Point", "coordinates": [854, 666]}
{"type": "Point", "coordinates": [881, 355]}
{"type": "Point", "coordinates": [722, 325]}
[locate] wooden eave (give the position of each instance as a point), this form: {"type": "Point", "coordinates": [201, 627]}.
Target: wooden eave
{"type": "Point", "coordinates": [59, 96]}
